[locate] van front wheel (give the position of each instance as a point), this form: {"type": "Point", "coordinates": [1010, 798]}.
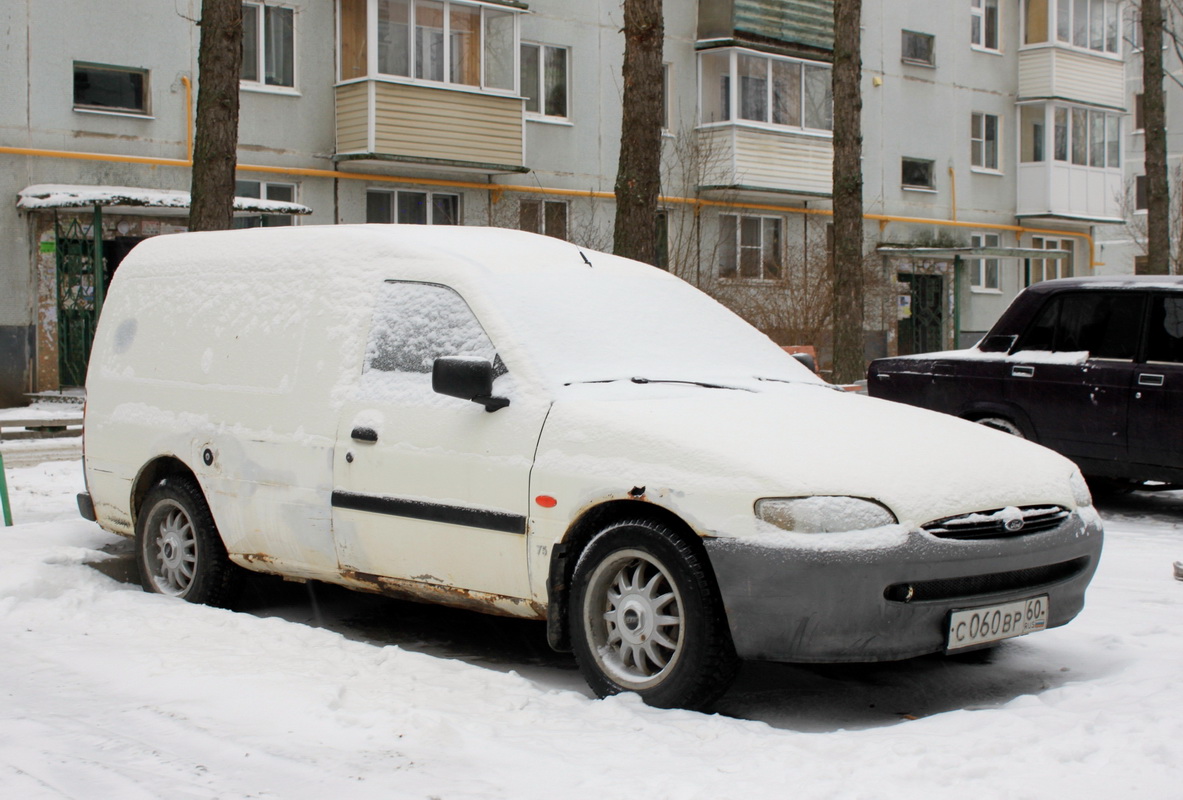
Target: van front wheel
{"type": "Point", "coordinates": [178, 549]}
{"type": "Point", "coordinates": [645, 618]}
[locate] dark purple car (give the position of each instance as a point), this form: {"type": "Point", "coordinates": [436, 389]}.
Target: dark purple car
{"type": "Point", "coordinates": [1090, 367]}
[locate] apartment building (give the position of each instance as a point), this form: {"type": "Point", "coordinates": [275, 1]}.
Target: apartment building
{"type": "Point", "coordinates": [988, 125]}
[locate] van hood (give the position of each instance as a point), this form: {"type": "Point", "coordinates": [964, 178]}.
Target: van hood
{"type": "Point", "coordinates": [794, 440]}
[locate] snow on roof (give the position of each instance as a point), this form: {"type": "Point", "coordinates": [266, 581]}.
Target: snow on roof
{"type": "Point", "coordinates": [47, 196]}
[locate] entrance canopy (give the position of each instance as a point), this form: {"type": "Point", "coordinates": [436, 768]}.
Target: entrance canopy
{"type": "Point", "coordinates": [133, 200]}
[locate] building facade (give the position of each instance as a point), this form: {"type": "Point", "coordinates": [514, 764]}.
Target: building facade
{"type": "Point", "coordinates": [987, 124]}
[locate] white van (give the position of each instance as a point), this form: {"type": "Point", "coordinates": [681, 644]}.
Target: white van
{"type": "Point", "coordinates": [510, 423]}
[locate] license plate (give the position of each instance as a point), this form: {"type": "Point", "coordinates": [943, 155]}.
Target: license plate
{"type": "Point", "coordinates": [974, 626]}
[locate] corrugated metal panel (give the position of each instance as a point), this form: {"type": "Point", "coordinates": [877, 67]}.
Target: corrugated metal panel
{"type": "Point", "coordinates": [804, 22]}
{"type": "Point", "coordinates": [760, 159]}
{"type": "Point", "coordinates": [1071, 75]}
{"type": "Point", "coordinates": [421, 122]}
{"type": "Point", "coordinates": [352, 118]}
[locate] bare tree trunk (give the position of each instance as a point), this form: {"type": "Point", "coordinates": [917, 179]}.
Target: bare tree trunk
{"type": "Point", "coordinates": [1158, 221]}
{"type": "Point", "coordinates": [849, 361]}
{"type": "Point", "coordinates": [638, 175]}
{"type": "Point", "coordinates": [215, 144]}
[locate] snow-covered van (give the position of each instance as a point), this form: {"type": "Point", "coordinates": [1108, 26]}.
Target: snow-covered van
{"type": "Point", "coordinates": [517, 425]}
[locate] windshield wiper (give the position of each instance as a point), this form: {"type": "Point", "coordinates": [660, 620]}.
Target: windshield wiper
{"type": "Point", "coordinates": [703, 384]}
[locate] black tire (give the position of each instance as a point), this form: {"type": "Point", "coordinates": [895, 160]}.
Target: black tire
{"type": "Point", "coordinates": [1001, 424]}
{"type": "Point", "coordinates": [178, 549]}
{"type": "Point", "coordinates": [646, 618]}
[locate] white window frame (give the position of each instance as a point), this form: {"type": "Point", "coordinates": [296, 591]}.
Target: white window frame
{"type": "Point", "coordinates": [265, 190]}
{"type": "Point", "coordinates": [261, 46]}
{"type": "Point", "coordinates": [733, 110]}
{"type": "Point", "coordinates": [544, 86]}
{"type": "Point", "coordinates": [980, 27]}
{"type": "Point", "coordinates": [985, 276]}
{"type": "Point", "coordinates": [512, 66]}
{"type": "Point", "coordinates": [919, 187]}
{"type": "Point", "coordinates": [984, 153]}
{"type": "Point", "coordinates": [733, 251]}
{"type": "Point", "coordinates": [396, 194]}
{"type": "Point", "coordinates": [545, 220]}
{"type": "Point", "coordinates": [1051, 268]}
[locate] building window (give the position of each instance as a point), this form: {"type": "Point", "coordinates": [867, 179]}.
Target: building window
{"type": "Point", "coordinates": [547, 217]}
{"type": "Point", "coordinates": [1090, 24]}
{"type": "Point", "coordinates": [412, 208]}
{"type": "Point", "coordinates": [1032, 134]}
{"type": "Point", "coordinates": [439, 41]}
{"type": "Point", "coordinates": [1141, 201]}
{"type": "Point", "coordinates": [268, 45]}
{"type": "Point", "coordinates": [983, 15]}
{"type": "Point", "coordinates": [1082, 136]}
{"type": "Point", "coordinates": [918, 48]}
{"type": "Point", "coordinates": [984, 272]}
{"type": "Point", "coordinates": [1139, 125]}
{"type": "Point", "coordinates": [749, 247]}
{"type": "Point", "coordinates": [666, 96]}
{"type": "Point", "coordinates": [662, 239]}
{"type": "Point", "coordinates": [103, 88]}
{"type": "Point", "coordinates": [778, 91]}
{"type": "Point", "coordinates": [263, 190]}
{"type": "Point", "coordinates": [544, 79]}
{"type": "Point", "coordinates": [917, 173]}
{"type": "Point", "coordinates": [983, 138]}
{"type": "Point", "coordinates": [1046, 269]}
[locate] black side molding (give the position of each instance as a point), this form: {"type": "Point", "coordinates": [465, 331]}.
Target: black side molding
{"type": "Point", "coordinates": [431, 512]}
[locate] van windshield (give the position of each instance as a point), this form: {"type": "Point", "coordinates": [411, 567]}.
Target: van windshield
{"type": "Point", "coordinates": [603, 324]}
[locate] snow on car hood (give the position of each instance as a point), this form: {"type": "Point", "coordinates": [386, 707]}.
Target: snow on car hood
{"type": "Point", "coordinates": [793, 440]}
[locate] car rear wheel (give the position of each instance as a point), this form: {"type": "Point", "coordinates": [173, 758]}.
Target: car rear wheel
{"type": "Point", "coordinates": [646, 618]}
{"type": "Point", "coordinates": [178, 548]}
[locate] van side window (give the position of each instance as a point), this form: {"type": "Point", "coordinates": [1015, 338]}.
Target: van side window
{"type": "Point", "coordinates": [1105, 324]}
{"type": "Point", "coordinates": [1165, 340]}
{"type": "Point", "coordinates": [416, 323]}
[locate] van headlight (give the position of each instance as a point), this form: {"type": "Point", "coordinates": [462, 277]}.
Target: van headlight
{"type": "Point", "coordinates": [823, 514]}
{"type": "Point", "coordinates": [1080, 489]}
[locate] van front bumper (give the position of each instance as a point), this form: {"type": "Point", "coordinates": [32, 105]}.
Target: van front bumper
{"type": "Point", "coordinates": [828, 605]}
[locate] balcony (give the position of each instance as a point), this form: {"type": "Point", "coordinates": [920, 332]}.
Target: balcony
{"type": "Point", "coordinates": [754, 159]}
{"type": "Point", "coordinates": [381, 120]}
{"type": "Point", "coordinates": [1060, 72]}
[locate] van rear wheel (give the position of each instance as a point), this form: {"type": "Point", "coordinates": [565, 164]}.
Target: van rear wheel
{"type": "Point", "coordinates": [178, 549]}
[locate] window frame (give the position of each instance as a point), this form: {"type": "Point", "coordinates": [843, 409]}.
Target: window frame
{"type": "Point", "coordinates": [981, 23]}
{"type": "Point", "coordinates": [733, 254]}
{"type": "Point", "coordinates": [429, 204]}
{"type": "Point", "coordinates": [260, 83]}
{"type": "Point", "coordinates": [1063, 30]}
{"type": "Point", "coordinates": [931, 186]}
{"type": "Point", "coordinates": [265, 187]}
{"type": "Point", "coordinates": [731, 105]}
{"type": "Point", "coordinates": [981, 268]}
{"type": "Point", "coordinates": [986, 144]}
{"type": "Point", "coordinates": [145, 90]}
{"type": "Point", "coordinates": [931, 61]}
{"type": "Point", "coordinates": [542, 87]}
{"type": "Point", "coordinates": [1060, 267]}
{"type": "Point", "coordinates": [545, 213]}
{"type": "Point", "coordinates": [367, 50]}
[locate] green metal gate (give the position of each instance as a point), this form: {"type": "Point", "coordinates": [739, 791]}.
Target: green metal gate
{"type": "Point", "coordinates": [923, 330]}
{"type": "Point", "coordinates": [80, 287]}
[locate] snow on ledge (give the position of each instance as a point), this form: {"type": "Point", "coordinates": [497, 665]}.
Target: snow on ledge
{"type": "Point", "coordinates": [48, 196]}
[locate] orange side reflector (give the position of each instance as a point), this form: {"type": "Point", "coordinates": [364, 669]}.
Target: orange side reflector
{"type": "Point", "coordinates": [546, 501]}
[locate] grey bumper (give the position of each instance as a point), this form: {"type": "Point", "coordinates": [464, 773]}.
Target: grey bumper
{"type": "Point", "coordinates": [821, 604]}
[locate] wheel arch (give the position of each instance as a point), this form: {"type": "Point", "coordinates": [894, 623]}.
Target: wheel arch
{"type": "Point", "coordinates": [152, 473]}
{"type": "Point", "coordinates": [565, 554]}
{"type": "Point", "coordinates": [1014, 414]}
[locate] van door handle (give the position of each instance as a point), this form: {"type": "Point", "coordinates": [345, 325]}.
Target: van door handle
{"type": "Point", "coordinates": [1022, 372]}
{"type": "Point", "coordinates": [1148, 379]}
{"type": "Point", "coordinates": [361, 434]}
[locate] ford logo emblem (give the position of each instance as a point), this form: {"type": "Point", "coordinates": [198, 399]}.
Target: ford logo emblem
{"type": "Point", "coordinates": [1014, 525]}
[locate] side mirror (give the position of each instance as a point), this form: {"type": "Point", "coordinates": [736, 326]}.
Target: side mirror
{"type": "Point", "coordinates": [467, 378]}
{"type": "Point", "coordinates": [998, 343]}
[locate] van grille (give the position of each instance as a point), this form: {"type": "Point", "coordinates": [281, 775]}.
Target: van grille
{"type": "Point", "coordinates": [973, 585]}
{"type": "Point", "coordinates": [999, 523]}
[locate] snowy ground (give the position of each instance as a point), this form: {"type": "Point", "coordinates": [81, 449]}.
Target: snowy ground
{"type": "Point", "coordinates": [108, 692]}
